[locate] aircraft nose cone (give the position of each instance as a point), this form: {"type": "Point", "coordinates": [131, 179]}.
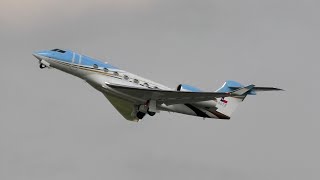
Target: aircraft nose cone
{"type": "Point", "coordinates": [37, 56]}
{"type": "Point", "coordinates": [40, 54]}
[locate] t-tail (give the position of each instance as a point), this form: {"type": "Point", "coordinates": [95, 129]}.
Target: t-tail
{"type": "Point", "coordinates": [228, 105]}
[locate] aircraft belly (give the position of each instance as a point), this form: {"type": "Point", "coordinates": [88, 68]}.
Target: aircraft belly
{"type": "Point", "coordinates": [95, 80]}
{"type": "Point", "coordinates": [178, 108]}
{"type": "Point", "coordinates": [206, 104]}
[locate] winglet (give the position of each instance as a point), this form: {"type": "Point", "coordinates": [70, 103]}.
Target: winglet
{"type": "Point", "coordinates": [242, 91]}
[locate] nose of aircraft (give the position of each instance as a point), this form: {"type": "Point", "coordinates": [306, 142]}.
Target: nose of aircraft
{"type": "Point", "coordinates": [37, 56]}
{"type": "Point", "coordinates": [40, 54]}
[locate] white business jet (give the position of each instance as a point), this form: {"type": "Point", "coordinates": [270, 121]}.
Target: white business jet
{"type": "Point", "coordinates": [134, 96]}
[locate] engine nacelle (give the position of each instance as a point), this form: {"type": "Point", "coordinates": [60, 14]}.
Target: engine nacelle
{"type": "Point", "coordinates": [185, 87]}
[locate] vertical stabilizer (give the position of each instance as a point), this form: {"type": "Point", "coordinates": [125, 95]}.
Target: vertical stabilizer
{"type": "Point", "coordinates": [228, 105]}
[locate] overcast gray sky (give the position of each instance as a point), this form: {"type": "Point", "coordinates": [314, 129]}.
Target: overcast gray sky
{"type": "Point", "coordinates": [54, 126]}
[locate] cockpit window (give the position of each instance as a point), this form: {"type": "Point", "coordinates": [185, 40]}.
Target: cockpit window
{"type": "Point", "coordinates": [61, 51]}
{"type": "Point", "coordinates": [58, 50]}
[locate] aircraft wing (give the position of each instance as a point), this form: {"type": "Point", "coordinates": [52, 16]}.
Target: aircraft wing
{"type": "Point", "coordinates": [170, 97]}
{"type": "Point", "coordinates": [125, 108]}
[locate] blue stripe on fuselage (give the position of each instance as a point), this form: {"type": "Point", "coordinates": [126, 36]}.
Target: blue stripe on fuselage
{"type": "Point", "coordinates": [87, 61]}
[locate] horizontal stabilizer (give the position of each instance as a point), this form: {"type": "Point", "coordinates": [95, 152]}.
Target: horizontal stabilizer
{"type": "Point", "coordinates": [234, 86]}
{"type": "Point", "coordinates": [238, 92]}
{"type": "Point", "coordinates": [243, 91]}
{"type": "Point", "coordinates": [267, 89]}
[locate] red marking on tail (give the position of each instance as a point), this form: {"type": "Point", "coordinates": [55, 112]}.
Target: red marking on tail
{"type": "Point", "coordinates": [223, 100]}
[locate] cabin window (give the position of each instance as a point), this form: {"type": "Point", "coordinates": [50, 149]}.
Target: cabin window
{"type": "Point", "coordinates": [105, 69]}
{"type": "Point", "coordinates": [146, 84]}
{"type": "Point", "coordinates": [125, 77]}
{"type": "Point", "coordinates": [136, 81]}
{"type": "Point", "coordinates": [116, 73]}
{"type": "Point", "coordinates": [95, 66]}
{"type": "Point", "coordinates": [156, 87]}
